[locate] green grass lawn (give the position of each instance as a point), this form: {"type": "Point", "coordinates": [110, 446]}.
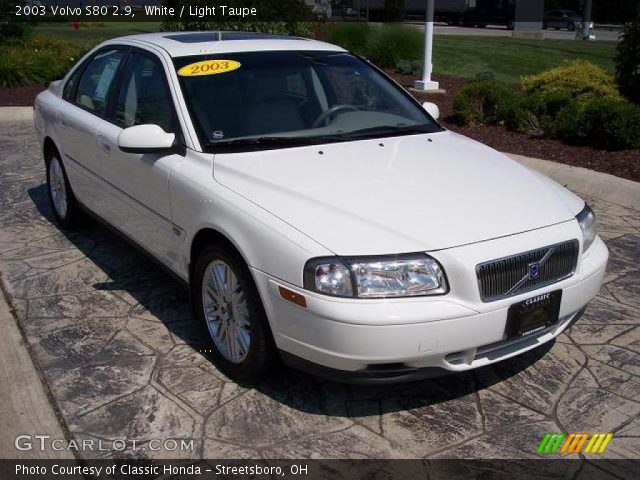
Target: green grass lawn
{"type": "Point", "coordinates": [509, 59]}
{"type": "Point", "coordinates": [95, 33]}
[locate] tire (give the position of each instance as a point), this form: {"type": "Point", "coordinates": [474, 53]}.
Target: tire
{"type": "Point", "coordinates": [61, 198]}
{"type": "Point", "coordinates": [240, 320]}
{"type": "Point", "coordinates": [510, 24]}
{"type": "Point", "coordinates": [571, 26]}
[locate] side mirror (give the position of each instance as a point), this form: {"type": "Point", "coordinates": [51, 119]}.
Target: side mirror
{"type": "Point", "coordinates": [432, 109]}
{"type": "Point", "coordinates": [145, 139]}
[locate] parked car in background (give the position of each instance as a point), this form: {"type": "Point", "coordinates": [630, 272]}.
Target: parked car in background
{"type": "Point", "coordinates": [317, 212]}
{"type": "Point", "coordinates": [562, 19]}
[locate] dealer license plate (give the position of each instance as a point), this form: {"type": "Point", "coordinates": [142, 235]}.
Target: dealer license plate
{"type": "Point", "coordinates": [533, 315]}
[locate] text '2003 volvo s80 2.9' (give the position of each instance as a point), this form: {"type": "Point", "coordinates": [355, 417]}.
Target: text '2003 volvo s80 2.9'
{"type": "Point", "coordinates": [317, 212]}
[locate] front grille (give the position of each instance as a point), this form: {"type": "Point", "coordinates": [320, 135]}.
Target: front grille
{"type": "Point", "coordinates": [514, 275]}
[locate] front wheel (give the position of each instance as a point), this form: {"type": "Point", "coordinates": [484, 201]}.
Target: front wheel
{"type": "Point", "coordinates": [228, 307]}
{"type": "Point", "coordinates": [63, 202]}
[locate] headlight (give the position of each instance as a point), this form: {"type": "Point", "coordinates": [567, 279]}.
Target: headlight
{"type": "Point", "coordinates": [376, 277]}
{"type": "Point", "coordinates": [587, 220]}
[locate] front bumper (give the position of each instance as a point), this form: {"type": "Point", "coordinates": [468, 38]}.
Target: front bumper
{"type": "Point", "coordinates": [411, 338]}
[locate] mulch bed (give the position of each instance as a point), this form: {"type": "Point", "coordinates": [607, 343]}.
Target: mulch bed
{"type": "Point", "coordinates": [624, 163]}
{"type": "Point", "coordinates": [19, 96]}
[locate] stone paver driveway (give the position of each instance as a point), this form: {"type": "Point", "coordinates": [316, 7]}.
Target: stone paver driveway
{"type": "Point", "coordinates": [113, 336]}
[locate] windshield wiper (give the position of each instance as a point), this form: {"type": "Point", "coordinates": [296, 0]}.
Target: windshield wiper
{"type": "Point", "coordinates": [275, 141]}
{"type": "Point", "coordinates": [391, 130]}
{"type": "Point", "coordinates": [260, 141]}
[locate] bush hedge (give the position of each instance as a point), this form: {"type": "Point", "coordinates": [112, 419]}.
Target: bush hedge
{"type": "Point", "coordinates": [577, 78]}
{"type": "Point", "coordinates": [388, 46]}
{"type": "Point", "coordinates": [354, 36]}
{"type": "Point", "coordinates": [11, 32]}
{"type": "Point", "coordinates": [38, 60]}
{"type": "Point", "coordinates": [485, 102]}
{"type": "Point", "coordinates": [611, 124]}
{"type": "Point", "coordinates": [587, 111]}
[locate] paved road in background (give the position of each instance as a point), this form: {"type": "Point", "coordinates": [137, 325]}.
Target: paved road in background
{"type": "Point", "coordinates": [496, 31]}
{"type": "Point", "coordinates": [114, 338]}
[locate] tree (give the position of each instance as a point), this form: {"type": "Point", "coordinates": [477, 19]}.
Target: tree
{"type": "Point", "coordinates": [628, 61]}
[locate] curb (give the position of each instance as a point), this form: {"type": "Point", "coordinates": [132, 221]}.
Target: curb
{"type": "Point", "coordinates": [589, 182]}
{"type": "Point", "coordinates": [16, 114]}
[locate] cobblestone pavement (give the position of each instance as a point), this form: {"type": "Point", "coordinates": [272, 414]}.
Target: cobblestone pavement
{"type": "Point", "coordinates": [113, 336]}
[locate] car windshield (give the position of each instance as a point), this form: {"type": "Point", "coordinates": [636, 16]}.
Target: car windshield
{"type": "Point", "coordinates": [294, 98]}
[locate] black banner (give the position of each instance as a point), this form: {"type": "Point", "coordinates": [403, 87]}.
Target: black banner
{"type": "Point", "coordinates": [317, 469]}
{"type": "Point", "coordinates": [452, 12]}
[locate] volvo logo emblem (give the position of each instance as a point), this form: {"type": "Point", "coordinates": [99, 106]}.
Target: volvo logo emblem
{"type": "Point", "coordinates": [534, 270]}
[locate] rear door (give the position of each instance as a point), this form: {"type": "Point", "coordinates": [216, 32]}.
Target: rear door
{"type": "Point", "coordinates": [86, 94]}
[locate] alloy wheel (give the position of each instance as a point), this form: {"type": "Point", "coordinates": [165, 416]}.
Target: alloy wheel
{"type": "Point", "coordinates": [225, 311]}
{"type": "Point", "coordinates": [58, 187]}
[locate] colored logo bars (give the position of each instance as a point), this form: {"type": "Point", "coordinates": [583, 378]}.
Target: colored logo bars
{"type": "Point", "coordinates": [574, 443]}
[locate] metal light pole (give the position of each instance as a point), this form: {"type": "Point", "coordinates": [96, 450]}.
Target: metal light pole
{"type": "Point", "coordinates": [426, 83]}
{"type": "Point", "coordinates": [586, 20]}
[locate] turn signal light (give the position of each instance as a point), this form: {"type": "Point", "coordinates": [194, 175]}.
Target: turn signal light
{"type": "Point", "coordinates": [292, 297]}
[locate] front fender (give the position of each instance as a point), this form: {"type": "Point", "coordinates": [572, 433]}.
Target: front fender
{"type": "Point", "coordinates": [266, 242]}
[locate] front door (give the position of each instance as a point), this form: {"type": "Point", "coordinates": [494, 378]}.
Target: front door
{"type": "Point", "coordinates": [140, 182]}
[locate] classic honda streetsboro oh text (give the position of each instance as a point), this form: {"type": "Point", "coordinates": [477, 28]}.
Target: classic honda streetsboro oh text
{"type": "Point", "coordinates": [318, 213]}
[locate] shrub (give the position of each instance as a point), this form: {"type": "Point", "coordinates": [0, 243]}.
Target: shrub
{"type": "Point", "coordinates": [390, 44]}
{"type": "Point", "coordinates": [409, 67]}
{"type": "Point", "coordinates": [352, 36]}
{"type": "Point", "coordinates": [12, 31]}
{"type": "Point", "coordinates": [538, 111]}
{"type": "Point", "coordinates": [628, 61]}
{"type": "Point", "coordinates": [607, 123]}
{"type": "Point", "coordinates": [576, 78]}
{"type": "Point", "coordinates": [38, 60]}
{"type": "Point", "coordinates": [486, 75]}
{"type": "Point", "coordinates": [486, 102]}
{"type": "Point", "coordinates": [18, 69]}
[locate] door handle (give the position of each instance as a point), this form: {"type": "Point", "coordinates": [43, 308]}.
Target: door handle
{"type": "Point", "coordinates": [62, 120]}
{"type": "Point", "coordinates": [105, 145]}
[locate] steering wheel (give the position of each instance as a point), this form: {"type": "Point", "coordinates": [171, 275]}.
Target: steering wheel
{"type": "Point", "coordinates": [336, 108]}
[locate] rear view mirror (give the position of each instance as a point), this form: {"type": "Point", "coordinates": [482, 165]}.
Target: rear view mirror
{"type": "Point", "coordinates": [145, 139]}
{"type": "Point", "coordinates": [432, 109]}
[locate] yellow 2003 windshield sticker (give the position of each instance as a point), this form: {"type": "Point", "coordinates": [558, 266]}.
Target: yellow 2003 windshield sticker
{"type": "Point", "coordinates": [208, 67]}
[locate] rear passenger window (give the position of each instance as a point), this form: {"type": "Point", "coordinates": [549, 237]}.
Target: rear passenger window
{"type": "Point", "coordinates": [97, 79]}
{"type": "Point", "coordinates": [144, 96]}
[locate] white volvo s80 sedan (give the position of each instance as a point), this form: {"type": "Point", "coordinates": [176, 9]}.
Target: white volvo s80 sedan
{"type": "Point", "coordinates": [317, 212]}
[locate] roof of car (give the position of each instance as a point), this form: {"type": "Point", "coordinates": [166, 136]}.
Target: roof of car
{"type": "Point", "coordinates": [180, 44]}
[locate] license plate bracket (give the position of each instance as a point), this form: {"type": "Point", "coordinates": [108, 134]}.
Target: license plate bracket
{"type": "Point", "coordinates": [533, 315]}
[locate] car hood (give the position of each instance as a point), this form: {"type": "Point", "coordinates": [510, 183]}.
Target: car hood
{"type": "Point", "coordinates": [391, 195]}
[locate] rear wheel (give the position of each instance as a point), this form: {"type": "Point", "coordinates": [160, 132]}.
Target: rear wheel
{"type": "Point", "coordinates": [228, 307]}
{"type": "Point", "coordinates": [571, 26]}
{"type": "Point", "coordinates": [63, 202]}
